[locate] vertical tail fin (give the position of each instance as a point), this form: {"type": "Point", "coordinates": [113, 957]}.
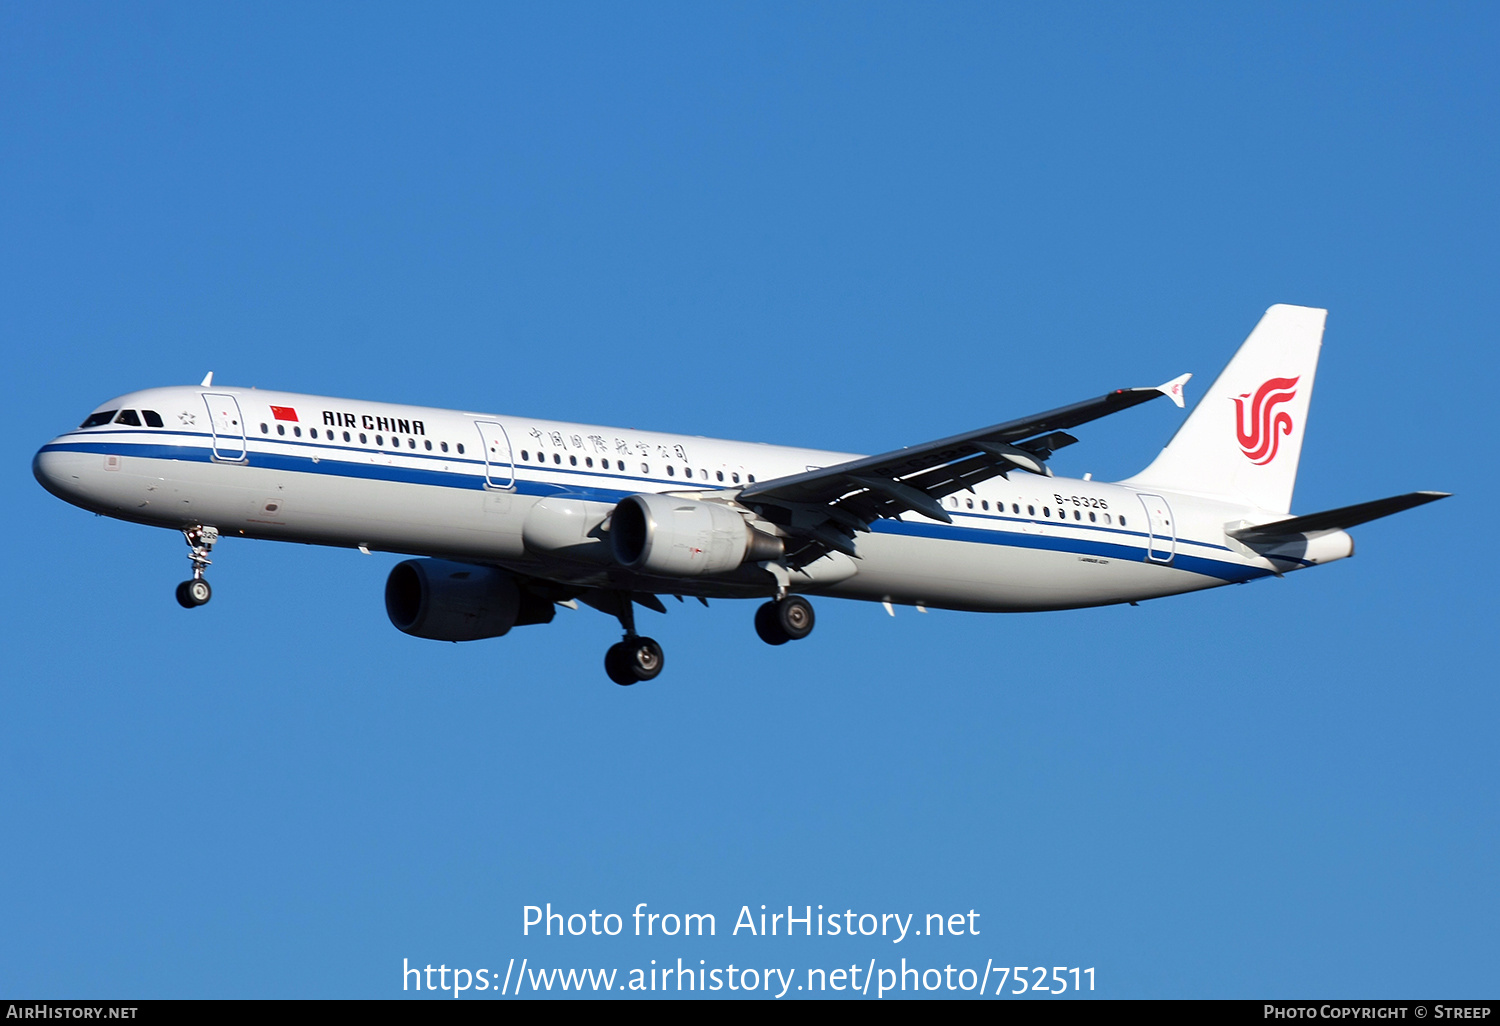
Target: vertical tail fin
{"type": "Point", "coordinates": [1244, 438]}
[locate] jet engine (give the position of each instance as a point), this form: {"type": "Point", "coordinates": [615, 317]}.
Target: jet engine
{"type": "Point", "coordinates": [671, 537]}
{"type": "Point", "coordinates": [445, 601]}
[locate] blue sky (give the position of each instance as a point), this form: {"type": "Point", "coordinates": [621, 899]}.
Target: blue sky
{"type": "Point", "coordinates": [852, 226]}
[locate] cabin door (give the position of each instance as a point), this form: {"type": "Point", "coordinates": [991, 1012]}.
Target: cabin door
{"type": "Point", "coordinates": [499, 467]}
{"type": "Point", "coordinates": [1161, 536]}
{"type": "Point", "coordinates": [228, 426]}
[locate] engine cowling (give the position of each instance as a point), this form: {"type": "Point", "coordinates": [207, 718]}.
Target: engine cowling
{"type": "Point", "coordinates": [671, 537]}
{"type": "Point", "coordinates": [446, 601]}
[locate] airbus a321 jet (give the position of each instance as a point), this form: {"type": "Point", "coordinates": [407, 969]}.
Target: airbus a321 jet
{"type": "Point", "coordinates": [512, 516]}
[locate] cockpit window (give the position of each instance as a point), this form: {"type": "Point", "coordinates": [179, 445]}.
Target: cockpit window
{"type": "Point", "coordinates": [128, 417]}
{"type": "Point", "coordinates": [102, 417]}
{"type": "Point", "coordinates": [153, 419]}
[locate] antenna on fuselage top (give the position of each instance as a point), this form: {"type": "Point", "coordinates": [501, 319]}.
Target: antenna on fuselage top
{"type": "Point", "coordinates": [208, 380]}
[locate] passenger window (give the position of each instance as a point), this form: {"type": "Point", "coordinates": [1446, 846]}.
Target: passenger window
{"type": "Point", "coordinates": [346, 436]}
{"type": "Point", "coordinates": [380, 440]}
{"type": "Point", "coordinates": [297, 431]}
{"type": "Point", "coordinates": [1077, 515]}
{"type": "Point", "coordinates": [96, 419]}
{"type": "Point", "coordinates": [1122, 521]}
{"type": "Point", "coordinates": [1093, 518]}
{"type": "Point", "coordinates": [670, 471]}
{"type": "Point", "coordinates": [313, 432]}
{"type": "Point", "coordinates": [735, 477]}
{"type": "Point", "coordinates": [281, 429]}
{"type": "Point", "coordinates": [411, 443]}
{"type": "Point", "coordinates": [362, 439]}
{"type": "Point", "coordinates": [427, 444]}
{"type": "Point", "coordinates": [525, 455]}
{"type": "Point", "coordinates": [573, 460]}
{"type": "Point", "coordinates": [969, 503]}
{"type": "Point", "coordinates": [719, 474]}
{"type": "Point", "coordinates": [1106, 518]}
{"type": "Point", "coordinates": [1046, 511]}
{"type": "Point", "coordinates": [621, 465]}
{"type": "Point", "coordinates": [1015, 507]}
{"type": "Point", "coordinates": [128, 417]}
{"type": "Point", "coordinates": [985, 504]}
{"type": "Point", "coordinates": [460, 448]}
{"type": "Point", "coordinates": [153, 419]}
{"type": "Point", "coordinates": [265, 430]}
{"type": "Point", "coordinates": [588, 461]}
{"type": "Point", "coordinates": [557, 458]}
{"type": "Point", "coordinates": [1031, 511]}
{"type": "Point", "coordinates": [750, 478]}
{"type": "Point", "coordinates": [645, 468]}
{"type": "Point", "coordinates": [443, 446]}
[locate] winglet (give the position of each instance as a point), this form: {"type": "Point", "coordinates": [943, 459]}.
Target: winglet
{"type": "Point", "coordinates": [208, 380]}
{"type": "Point", "coordinates": [1173, 389]}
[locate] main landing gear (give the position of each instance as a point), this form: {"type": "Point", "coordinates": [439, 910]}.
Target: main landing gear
{"type": "Point", "coordinates": [196, 592]}
{"type": "Point", "coordinates": [636, 658]}
{"type": "Point", "coordinates": [786, 619]}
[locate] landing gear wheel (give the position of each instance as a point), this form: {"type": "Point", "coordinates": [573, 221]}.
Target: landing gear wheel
{"type": "Point", "coordinates": [191, 594]}
{"type": "Point", "coordinates": [789, 619]}
{"type": "Point", "coordinates": [795, 615]}
{"type": "Point", "coordinates": [632, 660]}
{"type": "Point", "coordinates": [614, 665]}
{"type": "Point", "coordinates": [768, 628]}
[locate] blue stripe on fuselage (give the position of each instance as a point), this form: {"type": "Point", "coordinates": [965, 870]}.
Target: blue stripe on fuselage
{"type": "Point", "coordinates": [1218, 569]}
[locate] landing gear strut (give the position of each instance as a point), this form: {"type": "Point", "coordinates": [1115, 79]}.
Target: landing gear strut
{"type": "Point", "coordinates": [786, 619]}
{"type": "Point", "coordinates": [196, 592]}
{"type": "Point", "coordinates": [636, 658]}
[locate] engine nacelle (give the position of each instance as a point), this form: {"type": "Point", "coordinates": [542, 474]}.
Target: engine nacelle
{"type": "Point", "coordinates": [445, 601]}
{"type": "Point", "coordinates": [671, 537]}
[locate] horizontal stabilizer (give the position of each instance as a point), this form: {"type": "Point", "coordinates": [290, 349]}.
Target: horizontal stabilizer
{"type": "Point", "coordinates": [1332, 520]}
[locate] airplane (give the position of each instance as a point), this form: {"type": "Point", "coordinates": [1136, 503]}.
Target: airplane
{"type": "Point", "coordinates": [510, 517]}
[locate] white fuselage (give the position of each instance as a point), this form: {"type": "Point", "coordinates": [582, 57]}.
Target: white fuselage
{"type": "Point", "coordinates": [460, 486]}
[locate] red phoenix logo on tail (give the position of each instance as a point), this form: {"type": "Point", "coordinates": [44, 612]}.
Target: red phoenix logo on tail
{"type": "Point", "coordinates": [1261, 439]}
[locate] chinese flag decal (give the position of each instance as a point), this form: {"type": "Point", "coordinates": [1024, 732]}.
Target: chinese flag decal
{"type": "Point", "coordinates": [283, 413]}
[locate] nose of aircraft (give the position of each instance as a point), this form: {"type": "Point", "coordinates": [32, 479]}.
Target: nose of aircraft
{"type": "Point", "coordinates": [60, 472]}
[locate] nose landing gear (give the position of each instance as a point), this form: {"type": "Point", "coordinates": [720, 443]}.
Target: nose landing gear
{"type": "Point", "coordinates": [786, 619]}
{"type": "Point", "coordinates": [196, 592]}
{"type": "Point", "coordinates": [193, 593]}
